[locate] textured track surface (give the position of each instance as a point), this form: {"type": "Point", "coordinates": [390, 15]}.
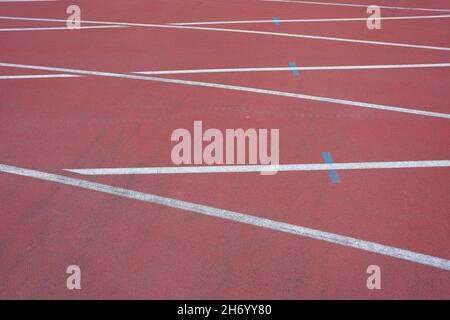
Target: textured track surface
{"type": "Point", "coordinates": [133, 249]}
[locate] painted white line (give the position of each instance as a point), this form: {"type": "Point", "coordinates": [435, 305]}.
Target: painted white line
{"type": "Point", "coordinates": [342, 240]}
{"type": "Point", "coordinates": [40, 76]}
{"type": "Point", "coordinates": [306, 20]}
{"type": "Point", "coordinates": [262, 168]}
{"type": "Point", "coordinates": [277, 34]}
{"type": "Point", "coordinates": [304, 36]}
{"type": "Point", "coordinates": [320, 68]}
{"type": "Point", "coordinates": [236, 88]}
{"type": "Point", "coordinates": [356, 5]}
{"type": "Point", "coordinates": [59, 28]}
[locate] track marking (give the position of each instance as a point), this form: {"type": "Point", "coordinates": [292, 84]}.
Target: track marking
{"type": "Point", "coordinates": [260, 168]}
{"type": "Point", "coordinates": [294, 68]}
{"type": "Point", "coordinates": [356, 5]}
{"type": "Point", "coordinates": [59, 28]}
{"type": "Point", "coordinates": [334, 175]}
{"type": "Point", "coordinates": [278, 34]}
{"type": "Point", "coordinates": [40, 76]}
{"type": "Point", "coordinates": [236, 88]}
{"type": "Point", "coordinates": [305, 20]}
{"type": "Point", "coordinates": [342, 240]}
{"type": "Point", "coordinates": [269, 69]}
{"type": "Point", "coordinates": [362, 67]}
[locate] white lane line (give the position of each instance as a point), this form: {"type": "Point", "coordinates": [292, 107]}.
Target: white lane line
{"type": "Point", "coordinates": [277, 34]}
{"type": "Point", "coordinates": [262, 168]}
{"type": "Point", "coordinates": [235, 88]}
{"type": "Point", "coordinates": [306, 20]}
{"type": "Point", "coordinates": [356, 5]}
{"type": "Point", "coordinates": [194, 71]}
{"type": "Point", "coordinates": [319, 68]}
{"type": "Point", "coordinates": [342, 240]}
{"type": "Point", "coordinates": [59, 28]}
{"type": "Point", "coordinates": [40, 76]}
{"type": "Point", "coordinates": [304, 36]}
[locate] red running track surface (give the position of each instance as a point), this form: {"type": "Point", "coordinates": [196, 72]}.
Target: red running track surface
{"type": "Point", "coordinates": [132, 249]}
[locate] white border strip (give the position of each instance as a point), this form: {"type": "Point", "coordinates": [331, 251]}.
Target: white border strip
{"type": "Point", "coordinates": [319, 68]}
{"type": "Point", "coordinates": [262, 168]}
{"type": "Point", "coordinates": [236, 88]}
{"type": "Point", "coordinates": [356, 5]}
{"type": "Point", "coordinates": [346, 241]}
{"type": "Point", "coordinates": [277, 34]}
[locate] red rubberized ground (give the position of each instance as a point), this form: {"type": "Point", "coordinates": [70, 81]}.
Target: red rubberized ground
{"type": "Point", "coordinates": [131, 249]}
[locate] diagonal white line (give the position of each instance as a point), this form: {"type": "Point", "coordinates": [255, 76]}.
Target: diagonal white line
{"type": "Point", "coordinates": [277, 34]}
{"type": "Point", "coordinates": [236, 88]}
{"type": "Point", "coordinates": [269, 69]}
{"type": "Point", "coordinates": [306, 20]}
{"type": "Point", "coordinates": [40, 76]}
{"type": "Point", "coordinates": [262, 168]}
{"type": "Point", "coordinates": [342, 240]}
{"type": "Point", "coordinates": [318, 68]}
{"type": "Point", "coordinates": [59, 28]}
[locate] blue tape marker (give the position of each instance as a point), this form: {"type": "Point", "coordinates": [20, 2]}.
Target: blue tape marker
{"type": "Point", "coordinates": [277, 21]}
{"type": "Point", "coordinates": [293, 65]}
{"type": "Point", "coordinates": [334, 175]}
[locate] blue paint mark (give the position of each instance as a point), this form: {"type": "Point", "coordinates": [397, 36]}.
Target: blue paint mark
{"type": "Point", "coordinates": [277, 21]}
{"type": "Point", "coordinates": [293, 65]}
{"type": "Point", "coordinates": [334, 175]}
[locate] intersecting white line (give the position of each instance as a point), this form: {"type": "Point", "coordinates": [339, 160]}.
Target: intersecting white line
{"type": "Point", "coordinates": [262, 168]}
{"type": "Point", "coordinates": [59, 28]}
{"type": "Point", "coordinates": [342, 240]}
{"type": "Point", "coordinates": [263, 69]}
{"type": "Point", "coordinates": [318, 68]}
{"type": "Point", "coordinates": [236, 88]}
{"type": "Point", "coordinates": [276, 34]}
{"type": "Point", "coordinates": [306, 20]}
{"type": "Point", "coordinates": [40, 76]}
